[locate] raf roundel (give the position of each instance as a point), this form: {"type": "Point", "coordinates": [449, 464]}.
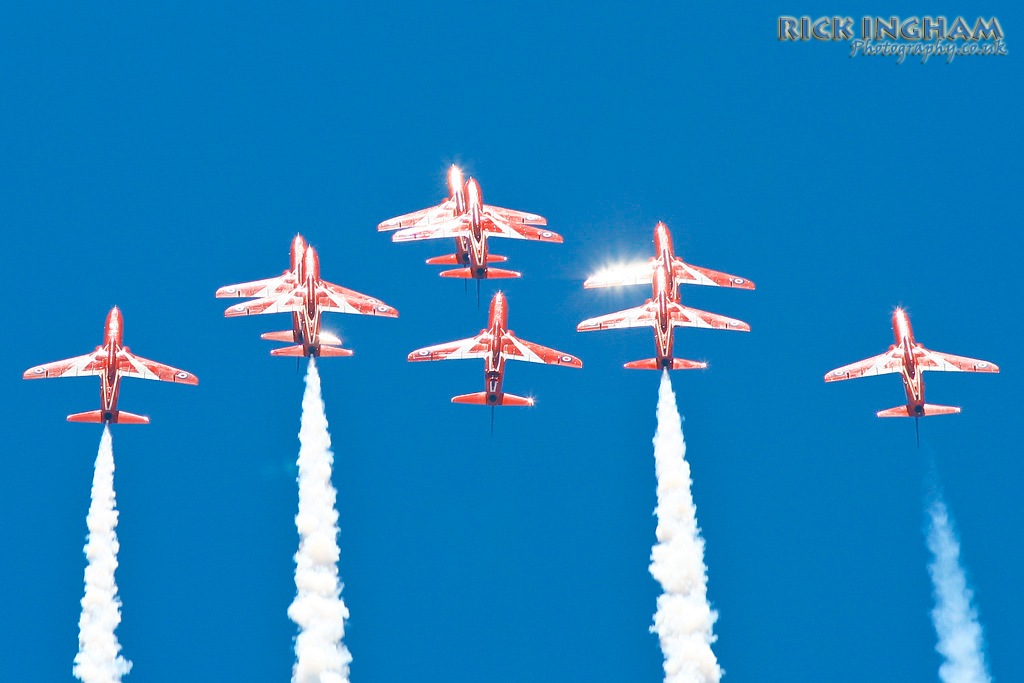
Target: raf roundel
{"type": "Point", "coordinates": [738, 280]}
{"type": "Point", "coordinates": [182, 375]}
{"type": "Point", "coordinates": [839, 373]}
{"type": "Point", "coordinates": [545, 234]}
{"type": "Point", "coordinates": [566, 359]}
{"type": "Point", "coordinates": [382, 308]}
{"type": "Point", "coordinates": [240, 307]}
{"type": "Point", "coordinates": [38, 371]}
{"type": "Point", "coordinates": [229, 290]}
{"type": "Point", "coordinates": [424, 353]}
{"type": "Point", "coordinates": [982, 364]}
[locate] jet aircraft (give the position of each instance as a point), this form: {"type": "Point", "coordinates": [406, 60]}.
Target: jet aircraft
{"type": "Point", "coordinates": [301, 292]}
{"type": "Point", "coordinates": [910, 359]}
{"type": "Point", "coordinates": [110, 362]}
{"type": "Point", "coordinates": [663, 311]}
{"type": "Point", "coordinates": [495, 345]}
{"type": "Point", "coordinates": [465, 217]}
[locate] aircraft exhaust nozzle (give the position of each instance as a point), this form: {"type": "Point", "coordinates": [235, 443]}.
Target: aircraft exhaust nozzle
{"type": "Point", "coordinates": [475, 273]}
{"type": "Point", "coordinates": [482, 398]}
{"type": "Point", "coordinates": [453, 260]}
{"type": "Point", "coordinates": [929, 409]}
{"type": "Point", "coordinates": [112, 416]}
{"type": "Point", "coordinates": [676, 364]}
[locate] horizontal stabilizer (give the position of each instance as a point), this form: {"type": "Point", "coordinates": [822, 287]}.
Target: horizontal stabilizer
{"type": "Point", "coordinates": [929, 409]}
{"type": "Point", "coordinates": [676, 364]}
{"type": "Point", "coordinates": [334, 351]}
{"type": "Point", "coordinates": [114, 416]}
{"type": "Point", "coordinates": [453, 260]}
{"type": "Point", "coordinates": [481, 399]}
{"type": "Point", "coordinates": [481, 273]}
{"type": "Point", "coordinates": [286, 336]}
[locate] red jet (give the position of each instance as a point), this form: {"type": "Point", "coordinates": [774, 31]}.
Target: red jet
{"type": "Point", "coordinates": [663, 311]}
{"type": "Point", "coordinates": [910, 359]}
{"type": "Point", "coordinates": [301, 292]}
{"type": "Point", "coordinates": [495, 345]}
{"type": "Point", "coordinates": [111, 361]}
{"type": "Point", "coordinates": [465, 217]}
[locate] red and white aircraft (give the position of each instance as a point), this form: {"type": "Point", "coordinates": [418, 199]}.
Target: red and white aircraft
{"type": "Point", "coordinates": [301, 292]}
{"type": "Point", "coordinates": [495, 345]}
{"type": "Point", "coordinates": [910, 359]}
{"type": "Point", "coordinates": [663, 311]}
{"type": "Point", "coordinates": [111, 361]}
{"type": "Point", "coordinates": [465, 217]}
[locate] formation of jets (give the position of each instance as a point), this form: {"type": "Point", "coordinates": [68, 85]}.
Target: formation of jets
{"type": "Point", "coordinates": [663, 311]}
{"type": "Point", "coordinates": [465, 218]}
{"type": "Point", "coordinates": [301, 292]}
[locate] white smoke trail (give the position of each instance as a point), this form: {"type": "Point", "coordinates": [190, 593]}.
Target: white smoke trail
{"type": "Point", "coordinates": [956, 620]}
{"type": "Point", "coordinates": [319, 611]}
{"type": "Point", "coordinates": [684, 619]}
{"type": "Point", "coordinates": [98, 660]}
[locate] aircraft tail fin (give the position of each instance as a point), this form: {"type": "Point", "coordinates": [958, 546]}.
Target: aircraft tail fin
{"type": "Point", "coordinates": [480, 399]}
{"type": "Point", "coordinates": [112, 416]}
{"type": "Point", "coordinates": [929, 409]}
{"type": "Point", "coordinates": [488, 274]}
{"type": "Point", "coordinates": [677, 364]}
{"type": "Point", "coordinates": [453, 260]}
{"type": "Point", "coordinates": [285, 336]}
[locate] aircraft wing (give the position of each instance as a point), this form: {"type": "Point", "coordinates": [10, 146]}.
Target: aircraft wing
{"type": "Point", "coordinates": [683, 316]}
{"type": "Point", "coordinates": [883, 363]}
{"type": "Point", "coordinates": [455, 227]}
{"type": "Point", "coordinates": [473, 347]}
{"type": "Point", "coordinates": [277, 303]}
{"type": "Point", "coordinates": [639, 274]}
{"type": "Point", "coordinates": [259, 288]}
{"type": "Point", "coordinates": [130, 365]}
{"type": "Point", "coordinates": [513, 216]}
{"type": "Point", "coordinates": [515, 348]}
{"type": "Point", "coordinates": [496, 226]}
{"type": "Point", "coordinates": [94, 363]}
{"type": "Point", "coordinates": [641, 316]}
{"type": "Point", "coordinates": [935, 360]}
{"type": "Point", "coordinates": [695, 275]}
{"type": "Point", "coordinates": [444, 211]}
{"type": "Point", "coordinates": [331, 297]}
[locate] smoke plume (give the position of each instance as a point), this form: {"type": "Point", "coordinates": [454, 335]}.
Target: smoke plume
{"type": "Point", "coordinates": [684, 618]}
{"type": "Point", "coordinates": [98, 659]}
{"type": "Point", "coordinates": [319, 611]}
{"type": "Point", "coordinates": [961, 643]}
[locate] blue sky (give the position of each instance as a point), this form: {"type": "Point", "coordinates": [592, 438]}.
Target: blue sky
{"type": "Point", "coordinates": [154, 153]}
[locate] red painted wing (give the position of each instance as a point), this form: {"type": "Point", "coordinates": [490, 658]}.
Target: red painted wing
{"type": "Point", "coordinates": [331, 297]}
{"type": "Point", "coordinates": [495, 226]}
{"type": "Point", "coordinates": [94, 363]}
{"type": "Point", "coordinates": [513, 216]}
{"type": "Point", "coordinates": [641, 316]}
{"type": "Point", "coordinates": [883, 363]}
{"type": "Point", "coordinates": [259, 288]}
{"type": "Point", "coordinates": [514, 348]}
{"type": "Point", "coordinates": [695, 275]}
{"type": "Point", "coordinates": [429, 216]}
{"type": "Point", "coordinates": [683, 316]}
{"type": "Point", "coordinates": [936, 360]}
{"type": "Point", "coordinates": [130, 365]}
{"type": "Point", "coordinates": [456, 227]}
{"type": "Point", "coordinates": [278, 303]}
{"type": "Point", "coordinates": [473, 347]}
